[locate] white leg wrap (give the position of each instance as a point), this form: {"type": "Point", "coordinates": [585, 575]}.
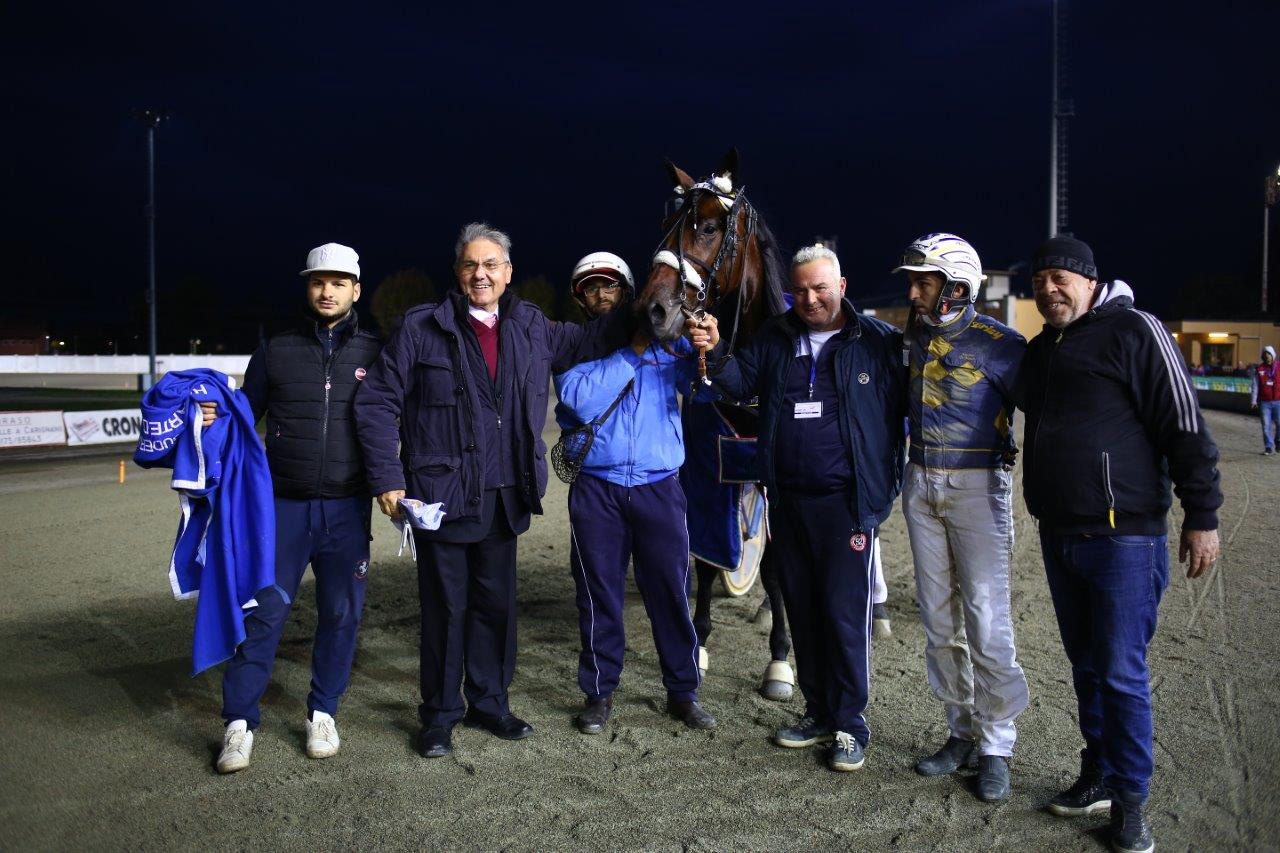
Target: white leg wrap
{"type": "Point", "coordinates": [779, 670]}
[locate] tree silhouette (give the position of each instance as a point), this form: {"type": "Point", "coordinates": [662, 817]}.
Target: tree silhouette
{"type": "Point", "coordinates": [396, 294]}
{"type": "Point", "coordinates": [542, 293]}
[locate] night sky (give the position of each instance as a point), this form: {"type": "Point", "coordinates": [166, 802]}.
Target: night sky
{"type": "Point", "coordinates": [388, 127]}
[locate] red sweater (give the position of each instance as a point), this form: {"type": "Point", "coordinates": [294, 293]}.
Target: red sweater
{"type": "Point", "coordinates": [488, 344]}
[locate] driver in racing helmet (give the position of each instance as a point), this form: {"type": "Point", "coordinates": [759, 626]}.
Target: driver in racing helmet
{"type": "Point", "coordinates": [957, 499]}
{"type": "Point", "coordinates": [601, 281]}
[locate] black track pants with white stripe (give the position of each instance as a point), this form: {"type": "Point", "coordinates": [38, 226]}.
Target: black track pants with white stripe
{"type": "Point", "coordinates": [827, 568]}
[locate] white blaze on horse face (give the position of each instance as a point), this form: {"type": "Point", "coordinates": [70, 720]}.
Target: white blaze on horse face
{"type": "Point", "coordinates": [817, 294]}
{"type": "Point", "coordinates": [668, 259]}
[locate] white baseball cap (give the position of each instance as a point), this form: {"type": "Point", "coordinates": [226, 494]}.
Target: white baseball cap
{"type": "Point", "coordinates": [333, 257]}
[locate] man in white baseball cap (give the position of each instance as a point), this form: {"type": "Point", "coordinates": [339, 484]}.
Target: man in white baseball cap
{"type": "Point", "coordinates": [334, 257]}
{"type": "Point", "coordinates": [304, 380]}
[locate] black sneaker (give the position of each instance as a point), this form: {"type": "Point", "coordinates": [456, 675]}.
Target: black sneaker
{"type": "Point", "coordinates": [1087, 796]}
{"type": "Point", "coordinates": [846, 753]}
{"type": "Point", "coordinates": [1130, 832]}
{"type": "Point", "coordinates": [805, 732]}
{"type": "Point", "coordinates": [594, 715]}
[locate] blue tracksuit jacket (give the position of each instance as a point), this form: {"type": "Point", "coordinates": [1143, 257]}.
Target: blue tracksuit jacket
{"type": "Point", "coordinates": [225, 549]}
{"type": "Point", "coordinates": [642, 441]}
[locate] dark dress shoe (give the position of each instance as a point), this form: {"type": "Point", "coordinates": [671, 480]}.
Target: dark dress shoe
{"type": "Point", "coordinates": [692, 714]}
{"type": "Point", "coordinates": [993, 778]}
{"type": "Point", "coordinates": [592, 718]}
{"type": "Point", "coordinates": [435, 742]}
{"type": "Point", "coordinates": [507, 727]}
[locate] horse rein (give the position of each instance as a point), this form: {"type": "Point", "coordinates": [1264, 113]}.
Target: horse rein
{"type": "Point", "coordinates": [726, 257]}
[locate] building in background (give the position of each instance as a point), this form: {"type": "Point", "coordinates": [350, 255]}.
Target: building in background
{"type": "Point", "coordinates": [1223, 345]}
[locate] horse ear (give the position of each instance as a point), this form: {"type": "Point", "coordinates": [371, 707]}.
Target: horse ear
{"type": "Point", "coordinates": [679, 177]}
{"type": "Point", "coordinates": [729, 168]}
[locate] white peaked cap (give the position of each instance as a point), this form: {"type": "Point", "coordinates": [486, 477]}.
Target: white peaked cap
{"type": "Point", "coordinates": [333, 257]}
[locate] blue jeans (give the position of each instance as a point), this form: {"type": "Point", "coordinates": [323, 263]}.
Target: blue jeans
{"type": "Point", "coordinates": [1270, 421]}
{"type": "Point", "coordinates": [333, 536]}
{"type": "Point", "coordinates": [1106, 590]}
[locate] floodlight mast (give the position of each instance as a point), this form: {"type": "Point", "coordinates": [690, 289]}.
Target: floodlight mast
{"type": "Point", "coordinates": [151, 118]}
{"type": "Point", "coordinates": [1271, 195]}
{"type": "Point", "coordinates": [1061, 109]}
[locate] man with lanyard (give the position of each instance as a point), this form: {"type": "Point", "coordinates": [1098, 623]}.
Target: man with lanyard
{"type": "Point", "coordinates": [1111, 421]}
{"type": "Point", "coordinates": [304, 381]}
{"type": "Point", "coordinates": [958, 502]}
{"type": "Point", "coordinates": [452, 412]}
{"type": "Point", "coordinates": [627, 505]}
{"type": "Point", "coordinates": [832, 402]}
{"type": "Point", "coordinates": [1265, 396]}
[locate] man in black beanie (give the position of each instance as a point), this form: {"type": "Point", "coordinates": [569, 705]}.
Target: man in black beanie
{"type": "Point", "coordinates": [1111, 419]}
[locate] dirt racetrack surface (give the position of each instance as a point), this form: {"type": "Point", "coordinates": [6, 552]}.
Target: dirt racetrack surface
{"type": "Point", "coordinates": [108, 743]}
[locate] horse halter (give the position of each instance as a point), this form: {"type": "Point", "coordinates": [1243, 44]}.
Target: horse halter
{"type": "Point", "coordinates": [735, 202]}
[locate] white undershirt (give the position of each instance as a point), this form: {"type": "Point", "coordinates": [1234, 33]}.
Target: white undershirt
{"type": "Point", "coordinates": [817, 339]}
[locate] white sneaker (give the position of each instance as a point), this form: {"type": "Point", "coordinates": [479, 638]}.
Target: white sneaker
{"type": "Point", "coordinates": [237, 746]}
{"type": "Point", "coordinates": [322, 736]}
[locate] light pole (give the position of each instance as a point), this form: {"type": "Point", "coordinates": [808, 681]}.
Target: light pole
{"type": "Point", "coordinates": [1270, 198]}
{"type": "Point", "coordinates": [152, 119]}
{"type": "Point", "coordinates": [1061, 110]}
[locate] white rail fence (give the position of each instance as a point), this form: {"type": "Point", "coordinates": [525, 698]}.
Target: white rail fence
{"type": "Point", "coordinates": [118, 365]}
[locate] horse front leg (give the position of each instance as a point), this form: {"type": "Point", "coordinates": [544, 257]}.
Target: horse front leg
{"type": "Point", "coordinates": [702, 609]}
{"type": "Point", "coordinates": [779, 679]}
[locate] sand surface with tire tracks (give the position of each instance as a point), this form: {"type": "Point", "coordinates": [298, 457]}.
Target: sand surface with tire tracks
{"type": "Point", "coordinates": [108, 743]}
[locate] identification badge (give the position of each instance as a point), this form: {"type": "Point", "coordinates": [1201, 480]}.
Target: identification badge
{"type": "Point", "coordinates": [809, 410]}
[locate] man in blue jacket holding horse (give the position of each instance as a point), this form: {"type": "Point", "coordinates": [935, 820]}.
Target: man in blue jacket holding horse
{"type": "Point", "coordinates": [831, 389]}
{"type": "Point", "coordinates": [627, 504]}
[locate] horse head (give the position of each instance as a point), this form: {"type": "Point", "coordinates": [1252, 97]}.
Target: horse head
{"type": "Point", "coordinates": [711, 252]}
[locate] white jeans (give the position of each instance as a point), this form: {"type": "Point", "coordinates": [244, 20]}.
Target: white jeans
{"type": "Point", "coordinates": [960, 523]}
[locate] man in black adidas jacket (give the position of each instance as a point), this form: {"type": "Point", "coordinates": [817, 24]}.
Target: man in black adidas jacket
{"type": "Point", "coordinates": [1111, 419]}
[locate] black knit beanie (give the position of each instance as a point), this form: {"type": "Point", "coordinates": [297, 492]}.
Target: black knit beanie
{"type": "Point", "coordinates": [1065, 253]}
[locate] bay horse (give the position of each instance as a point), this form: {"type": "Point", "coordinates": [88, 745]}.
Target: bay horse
{"type": "Point", "coordinates": [718, 255]}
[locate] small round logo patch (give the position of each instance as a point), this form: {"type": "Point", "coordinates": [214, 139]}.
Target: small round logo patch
{"type": "Point", "coordinates": [362, 569]}
{"type": "Point", "coordinates": [858, 541]}
{"type": "Point", "coordinates": [360, 373]}
{"type": "Point", "coordinates": [863, 378]}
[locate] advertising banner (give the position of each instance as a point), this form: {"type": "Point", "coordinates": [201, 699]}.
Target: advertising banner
{"type": "Point", "coordinates": [1230, 384]}
{"type": "Point", "coordinates": [31, 429]}
{"type": "Point", "coordinates": [103, 427]}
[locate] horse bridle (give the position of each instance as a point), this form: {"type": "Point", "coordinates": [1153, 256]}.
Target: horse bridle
{"type": "Point", "coordinates": [726, 257]}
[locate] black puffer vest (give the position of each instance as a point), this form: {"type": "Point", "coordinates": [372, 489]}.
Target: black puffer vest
{"type": "Point", "coordinates": [311, 438]}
